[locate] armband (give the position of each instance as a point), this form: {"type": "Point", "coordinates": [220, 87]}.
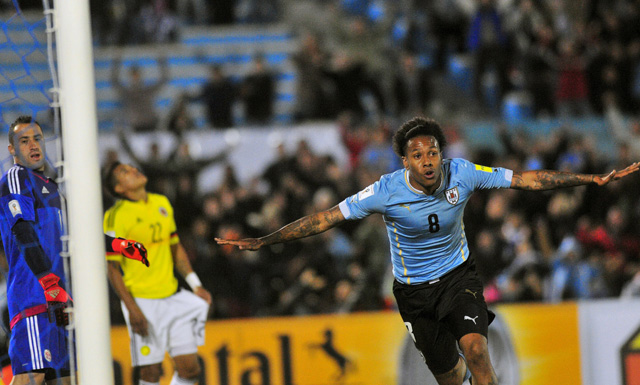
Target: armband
{"type": "Point", "coordinates": [193, 280]}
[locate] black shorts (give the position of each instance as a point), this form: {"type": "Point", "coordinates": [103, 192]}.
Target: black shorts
{"type": "Point", "coordinates": [438, 314]}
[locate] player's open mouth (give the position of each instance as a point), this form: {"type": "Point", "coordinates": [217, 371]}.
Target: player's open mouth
{"type": "Point", "coordinates": [429, 174]}
{"type": "Point", "coordinates": [35, 156]}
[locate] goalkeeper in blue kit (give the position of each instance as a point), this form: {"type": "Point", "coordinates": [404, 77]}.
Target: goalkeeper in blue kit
{"type": "Point", "coordinates": [31, 229]}
{"type": "Point", "coordinates": [439, 295]}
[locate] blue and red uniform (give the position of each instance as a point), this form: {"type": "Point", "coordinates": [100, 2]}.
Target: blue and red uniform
{"type": "Point", "coordinates": [31, 219]}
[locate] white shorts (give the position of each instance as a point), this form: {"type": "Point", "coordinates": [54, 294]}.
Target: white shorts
{"type": "Point", "coordinates": [176, 325]}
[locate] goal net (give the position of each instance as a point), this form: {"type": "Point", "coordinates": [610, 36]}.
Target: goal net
{"type": "Point", "coordinates": [46, 72]}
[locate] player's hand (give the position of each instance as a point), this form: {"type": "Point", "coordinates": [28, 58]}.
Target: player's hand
{"type": "Point", "coordinates": [59, 302]}
{"type": "Point", "coordinates": [130, 249]}
{"type": "Point", "coordinates": [138, 321]}
{"type": "Point", "coordinates": [203, 293]}
{"type": "Point", "coordinates": [243, 244]}
{"type": "Point", "coordinates": [615, 175]}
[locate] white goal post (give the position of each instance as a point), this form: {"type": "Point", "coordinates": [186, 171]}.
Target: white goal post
{"type": "Point", "coordinates": [83, 188]}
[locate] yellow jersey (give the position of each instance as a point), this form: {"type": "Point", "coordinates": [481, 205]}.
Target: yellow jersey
{"type": "Point", "coordinates": [151, 223]}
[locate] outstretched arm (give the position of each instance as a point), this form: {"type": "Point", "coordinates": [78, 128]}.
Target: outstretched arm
{"type": "Point", "coordinates": [303, 227]}
{"type": "Point", "coordinates": [548, 180]}
{"type": "Point", "coordinates": [124, 141]}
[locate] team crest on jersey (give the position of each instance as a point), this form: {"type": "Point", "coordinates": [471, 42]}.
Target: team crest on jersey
{"type": "Point", "coordinates": [14, 207]}
{"type": "Point", "coordinates": [163, 211]}
{"type": "Point", "coordinates": [47, 355]}
{"type": "Point", "coordinates": [452, 195]}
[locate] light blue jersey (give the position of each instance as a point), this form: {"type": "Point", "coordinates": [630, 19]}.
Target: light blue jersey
{"type": "Point", "coordinates": [426, 232]}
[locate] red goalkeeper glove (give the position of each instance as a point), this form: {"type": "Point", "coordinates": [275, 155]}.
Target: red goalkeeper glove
{"type": "Point", "coordinates": [130, 249]}
{"type": "Point", "coordinates": [57, 299]}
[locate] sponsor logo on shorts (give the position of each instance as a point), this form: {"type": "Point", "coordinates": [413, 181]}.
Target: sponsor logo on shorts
{"type": "Point", "coordinates": [470, 319]}
{"type": "Point", "coordinates": [145, 350]}
{"type": "Point", "coordinates": [163, 211]}
{"type": "Point", "coordinates": [473, 293]}
{"type": "Point", "coordinates": [47, 355]}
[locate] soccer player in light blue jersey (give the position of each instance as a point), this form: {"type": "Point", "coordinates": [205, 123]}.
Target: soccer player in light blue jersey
{"type": "Point", "coordinates": [438, 292]}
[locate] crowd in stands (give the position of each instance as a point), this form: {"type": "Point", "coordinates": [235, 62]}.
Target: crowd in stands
{"type": "Point", "coordinates": [576, 243]}
{"type": "Point", "coordinates": [364, 68]}
{"type": "Point", "coordinates": [563, 56]}
{"type": "Point", "coordinates": [381, 59]}
{"type": "Point", "coordinates": [133, 22]}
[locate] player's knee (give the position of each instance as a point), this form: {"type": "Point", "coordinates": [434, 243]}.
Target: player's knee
{"type": "Point", "coordinates": [150, 373]}
{"type": "Point", "coordinates": [189, 370]}
{"type": "Point", "coordinates": [28, 378]}
{"type": "Point", "coordinates": [476, 352]}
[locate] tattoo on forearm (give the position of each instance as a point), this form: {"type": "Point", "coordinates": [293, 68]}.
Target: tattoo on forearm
{"type": "Point", "coordinates": [304, 227]}
{"type": "Point", "coordinates": [548, 180]}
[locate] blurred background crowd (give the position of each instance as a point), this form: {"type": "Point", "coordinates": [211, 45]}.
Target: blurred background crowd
{"type": "Point", "coordinates": [366, 66]}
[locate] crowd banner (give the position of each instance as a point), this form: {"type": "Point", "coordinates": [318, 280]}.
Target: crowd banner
{"type": "Point", "coordinates": [571, 343]}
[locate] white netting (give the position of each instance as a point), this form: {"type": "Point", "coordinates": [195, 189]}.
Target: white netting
{"type": "Point", "coordinates": [29, 86]}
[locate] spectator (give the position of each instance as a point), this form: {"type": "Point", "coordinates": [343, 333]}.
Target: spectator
{"type": "Point", "coordinates": [523, 22]}
{"type": "Point", "coordinates": [411, 88]}
{"type": "Point", "coordinates": [572, 93]}
{"type": "Point", "coordinates": [138, 98]}
{"type": "Point", "coordinates": [157, 23]}
{"type": "Point", "coordinates": [162, 171]}
{"type": "Point", "coordinates": [311, 98]}
{"type": "Point", "coordinates": [223, 12]}
{"type": "Point", "coordinates": [258, 11]}
{"type": "Point", "coordinates": [349, 79]}
{"type": "Point", "coordinates": [449, 25]}
{"type": "Point", "coordinates": [258, 93]}
{"type": "Point", "coordinates": [378, 154]}
{"type": "Point", "coordinates": [192, 11]}
{"type": "Point", "coordinates": [539, 70]}
{"type": "Point", "coordinates": [364, 44]}
{"type": "Point", "coordinates": [565, 280]}
{"type": "Point", "coordinates": [219, 95]}
{"type": "Point", "coordinates": [627, 132]}
{"type": "Point", "coordinates": [488, 43]}
{"type": "Point", "coordinates": [180, 121]}
{"type": "Point", "coordinates": [615, 236]}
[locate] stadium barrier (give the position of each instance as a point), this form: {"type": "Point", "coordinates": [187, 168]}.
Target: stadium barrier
{"type": "Point", "coordinates": [583, 343]}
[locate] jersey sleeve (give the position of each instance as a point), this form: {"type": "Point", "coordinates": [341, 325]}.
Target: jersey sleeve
{"type": "Point", "coordinates": [17, 201]}
{"type": "Point", "coordinates": [110, 227]}
{"type": "Point", "coordinates": [173, 228]}
{"type": "Point", "coordinates": [483, 177]}
{"type": "Point", "coordinates": [368, 201]}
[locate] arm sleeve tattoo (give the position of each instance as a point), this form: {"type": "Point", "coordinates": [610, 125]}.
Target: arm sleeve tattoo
{"type": "Point", "coordinates": [306, 226]}
{"type": "Point", "coordinates": [548, 180]}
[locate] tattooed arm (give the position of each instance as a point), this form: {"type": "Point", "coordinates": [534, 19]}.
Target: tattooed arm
{"type": "Point", "coordinates": [303, 227]}
{"type": "Point", "coordinates": [549, 180]}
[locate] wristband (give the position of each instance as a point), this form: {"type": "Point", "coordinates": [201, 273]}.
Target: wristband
{"type": "Point", "coordinates": [193, 280]}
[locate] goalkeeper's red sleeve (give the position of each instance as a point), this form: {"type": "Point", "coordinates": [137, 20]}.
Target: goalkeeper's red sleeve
{"type": "Point", "coordinates": [130, 249]}
{"type": "Point", "coordinates": [57, 299]}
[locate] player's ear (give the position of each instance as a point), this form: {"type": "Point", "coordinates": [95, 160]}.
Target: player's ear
{"type": "Point", "coordinates": [12, 149]}
{"type": "Point", "coordinates": [405, 164]}
{"type": "Point", "coordinates": [118, 189]}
